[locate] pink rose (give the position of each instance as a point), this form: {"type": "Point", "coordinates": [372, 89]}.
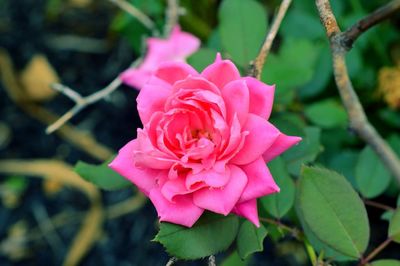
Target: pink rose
{"type": "Point", "coordinates": [176, 48]}
{"type": "Point", "coordinates": [205, 142]}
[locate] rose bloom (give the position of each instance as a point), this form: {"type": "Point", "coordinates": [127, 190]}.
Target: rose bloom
{"type": "Point", "coordinates": [176, 48]}
{"type": "Point", "coordinates": [205, 142]}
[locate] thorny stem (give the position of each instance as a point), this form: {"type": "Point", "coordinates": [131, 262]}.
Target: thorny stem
{"type": "Point", "coordinates": [358, 119]}
{"type": "Point", "coordinates": [382, 13]}
{"type": "Point", "coordinates": [266, 47]}
{"type": "Point", "coordinates": [82, 102]}
{"type": "Point", "coordinates": [132, 10]}
{"type": "Point", "coordinates": [375, 252]}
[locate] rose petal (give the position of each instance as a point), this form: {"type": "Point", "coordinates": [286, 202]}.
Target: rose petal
{"type": "Point", "coordinates": [221, 72]}
{"type": "Point", "coordinates": [260, 181]}
{"type": "Point", "coordinates": [248, 210]}
{"type": "Point", "coordinates": [184, 43]}
{"type": "Point", "coordinates": [261, 97]}
{"type": "Point", "coordinates": [135, 77]}
{"type": "Point", "coordinates": [182, 211]}
{"type": "Point", "coordinates": [123, 163]}
{"type": "Point", "coordinates": [172, 72]}
{"type": "Point", "coordinates": [151, 99]}
{"type": "Point", "coordinates": [222, 200]}
{"type": "Point", "coordinates": [210, 177]}
{"type": "Point", "coordinates": [236, 97]}
{"type": "Point", "coordinates": [281, 144]}
{"type": "Point", "coordinates": [146, 155]}
{"type": "Point", "coordinates": [262, 135]}
{"type": "Point", "coordinates": [177, 187]}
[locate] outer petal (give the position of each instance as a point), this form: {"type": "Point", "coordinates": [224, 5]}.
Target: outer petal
{"type": "Point", "coordinates": [135, 77]}
{"type": "Point", "coordinates": [261, 97]}
{"type": "Point", "coordinates": [236, 97]}
{"type": "Point", "coordinates": [248, 210]}
{"type": "Point", "coordinates": [262, 135]}
{"type": "Point", "coordinates": [221, 72]}
{"type": "Point", "coordinates": [222, 200]}
{"type": "Point", "coordinates": [182, 211]}
{"type": "Point", "coordinates": [123, 163]}
{"type": "Point", "coordinates": [281, 144]}
{"type": "Point", "coordinates": [171, 72]}
{"type": "Point", "coordinates": [150, 100]}
{"type": "Point", "coordinates": [260, 181]}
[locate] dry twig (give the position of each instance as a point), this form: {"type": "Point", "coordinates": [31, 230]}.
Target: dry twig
{"type": "Point", "coordinates": [382, 13]}
{"type": "Point", "coordinates": [171, 16]}
{"type": "Point", "coordinates": [80, 101]}
{"type": "Point", "coordinates": [358, 120]}
{"type": "Point", "coordinates": [266, 47]}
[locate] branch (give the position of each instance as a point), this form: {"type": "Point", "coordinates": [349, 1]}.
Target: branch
{"type": "Point", "coordinates": [358, 120]}
{"type": "Point", "coordinates": [266, 47]}
{"type": "Point", "coordinates": [382, 13]}
{"type": "Point", "coordinates": [375, 252]}
{"type": "Point", "coordinates": [171, 16]}
{"type": "Point", "coordinates": [80, 102]}
{"type": "Point", "coordinates": [139, 15]}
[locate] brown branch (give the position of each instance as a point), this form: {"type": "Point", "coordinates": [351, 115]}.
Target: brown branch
{"type": "Point", "coordinates": [358, 120]}
{"type": "Point", "coordinates": [266, 47]}
{"type": "Point", "coordinates": [378, 205]}
{"type": "Point", "coordinates": [380, 14]}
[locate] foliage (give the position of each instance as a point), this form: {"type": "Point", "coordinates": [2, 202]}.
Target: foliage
{"type": "Point", "coordinates": [325, 178]}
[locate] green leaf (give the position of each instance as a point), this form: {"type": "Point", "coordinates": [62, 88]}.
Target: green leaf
{"type": "Point", "coordinates": [202, 58]}
{"type": "Point", "coordinates": [250, 239]}
{"type": "Point", "coordinates": [101, 175]}
{"type": "Point", "coordinates": [391, 117]}
{"type": "Point", "coordinates": [333, 211]}
{"type": "Point", "coordinates": [394, 142]}
{"type": "Point", "coordinates": [292, 67]}
{"type": "Point", "coordinates": [243, 26]}
{"type": "Point", "coordinates": [278, 204]}
{"type": "Point", "coordinates": [234, 260]}
{"type": "Point", "coordinates": [386, 263]}
{"type": "Point", "coordinates": [343, 162]}
{"type": "Point", "coordinates": [320, 79]}
{"type": "Point", "coordinates": [317, 244]}
{"type": "Point", "coordinates": [305, 152]}
{"type": "Point", "coordinates": [326, 114]}
{"type": "Point", "coordinates": [394, 226]}
{"type": "Point", "coordinates": [297, 19]}
{"type": "Point", "coordinates": [371, 175]}
{"type": "Point", "coordinates": [387, 215]}
{"type": "Point", "coordinates": [211, 234]}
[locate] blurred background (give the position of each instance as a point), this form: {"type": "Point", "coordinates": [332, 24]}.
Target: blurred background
{"type": "Point", "coordinates": [85, 44]}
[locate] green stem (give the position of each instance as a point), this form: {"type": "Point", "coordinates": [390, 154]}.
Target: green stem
{"type": "Point", "coordinates": [311, 252]}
